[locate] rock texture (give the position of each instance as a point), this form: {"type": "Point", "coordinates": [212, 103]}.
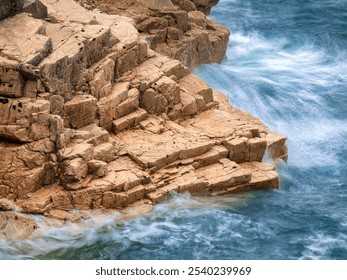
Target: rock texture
{"type": "Point", "coordinates": [10, 7]}
{"type": "Point", "coordinates": [176, 28]}
{"type": "Point", "coordinates": [94, 115]}
{"type": "Point", "coordinates": [14, 226]}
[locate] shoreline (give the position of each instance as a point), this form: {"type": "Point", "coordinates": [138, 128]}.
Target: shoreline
{"type": "Point", "coordinates": [98, 120]}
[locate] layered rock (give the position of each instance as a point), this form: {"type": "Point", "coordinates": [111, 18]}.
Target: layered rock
{"type": "Point", "coordinates": [176, 28]}
{"type": "Point", "coordinates": [92, 118]}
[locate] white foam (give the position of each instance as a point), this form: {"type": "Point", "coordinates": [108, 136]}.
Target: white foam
{"type": "Point", "coordinates": [321, 245]}
{"type": "Point", "coordinates": [246, 44]}
{"type": "Point", "coordinates": [289, 89]}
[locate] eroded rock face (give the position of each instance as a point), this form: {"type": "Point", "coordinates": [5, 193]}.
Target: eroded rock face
{"type": "Point", "coordinates": [92, 118]}
{"type": "Point", "coordinates": [177, 28]}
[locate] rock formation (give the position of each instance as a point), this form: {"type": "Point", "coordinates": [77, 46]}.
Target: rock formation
{"type": "Point", "coordinates": [97, 113]}
{"type": "Point", "coordinates": [176, 28]}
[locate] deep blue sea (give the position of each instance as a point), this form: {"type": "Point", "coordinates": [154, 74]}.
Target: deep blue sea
{"type": "Point", "coordinates": [287, 64]}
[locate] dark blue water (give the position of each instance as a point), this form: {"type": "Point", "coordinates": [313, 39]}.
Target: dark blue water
{"type": "Point", "coordinates": [287, 64]}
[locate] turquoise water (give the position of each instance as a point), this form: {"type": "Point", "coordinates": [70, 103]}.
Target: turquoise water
{"type": "Point", "coordinates": [287, 64]}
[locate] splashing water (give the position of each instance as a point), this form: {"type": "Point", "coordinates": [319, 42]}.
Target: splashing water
{"type": "Point", "coordinates": [287, 64]}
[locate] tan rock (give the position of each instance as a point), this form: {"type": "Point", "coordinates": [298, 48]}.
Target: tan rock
{"type": "Point", "coordinates": [57, 105]}
{"type": "Point", "coordinates": [135, 194]}
{"type": "Point", "coordinates": [107, 106]}
{"type": "Point", "coordinates": [152, 150]}
{"type": "Point", "coordinates": [190, 105]}
{"type": "Point", "coordinates": [159, 195]}
{"type": "Point", "coordinates": [153, 102]}
{"type": "Point", "coordinates": [22, 176]}
{"type": "Point", "coordinates": [128, 174]}
{"type": "Point", "coordinates": [82, 200]}
{"type": "Point", "coordinates": [174, 34]}
{"type": "Point", "coordinates": [98, 168]}
{"type": "Point", "coordinates": [8, 205]}
{"type": "Point", "coordinates": [224, 174]}
{"type": "Point", "coordinates": [4, 191]}
{"type": "Point", "coordinates": [153, 124]}
{"type": "Point", "coordinates": [11, 82]}
{"type": "Point", "coordinates": [264, 176]}
{"type": "Point", "coordinates": [104, 152]}
{"type": "Point", "coordinates": [184, 5]}
{"type": "Point", "coordinates": [257, 147]}
{"type": "Point", "coordinates": [82, 150]}
{"type": "Point", "coordinates": [24, 120]}
{"type": "Point", "coordinates": [84, 73]}
{"type": "Point", "coordinates": [80, 111]}
{"type": "Point", "coordinates": [73, 217]}
{"type": "Point", "coordinates": [163, 95]}
{"type": "Point", "coordinates": [136, 209]}
{"type": "Point", "coordinates": [57, 214]}
{"type": "Point", "coordinates": [112, 200]}
{"type": "Point", "coordinates": [101, 85]}
{"type": "Point", "coordinates": [210, 157]}
{"type": "Point", "coordinates": [39, 202]}
{"type": "Point", "coordinates": [276, 146]}
{"type": "Point", "coordinates": [129, 105]}
{"type": "Point", "coordinates": [62, 200]}
{"type": "Point", "coordinates": [110, 182]}
{"type": "Point", "coordinates": [196, 86]}
{"type": "Point", "coordinates": [95, 134]}
{"type": "Point", "coordinates": [197, 18]}
{"type": "Point", "coordinates": [18, 47]}
{"type": "Point", "coordinates": [129, 121]}
{"type": "Point", "coordinates": [14, 226]}
{"type": "Point", "coordinates": [74, 170]}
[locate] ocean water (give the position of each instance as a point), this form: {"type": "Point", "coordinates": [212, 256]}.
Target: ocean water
{"type": "Point", "coordinates": [287, 64]}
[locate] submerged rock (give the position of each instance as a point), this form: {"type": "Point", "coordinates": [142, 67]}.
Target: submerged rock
{"type": "Point", "coordinates": [14, 226]}
{"type": "Point", "coordinates": [94, 115]}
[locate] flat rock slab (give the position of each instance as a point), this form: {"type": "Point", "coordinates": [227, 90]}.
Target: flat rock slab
{"type": "Point", "coordinates": [222, 177]}
{"type": "Point", "coordinates": [263, 176]}
{"type": "Point", "coordinates": [216, 124]}
{"type": "Point", "coordinates": [65, 11]}
{"type": "Point", "coordinates": [23, 39]}
{"type": "Point", "coordinates": [155, 151]}
{"type": "Point", "coordinates": [224, 174]}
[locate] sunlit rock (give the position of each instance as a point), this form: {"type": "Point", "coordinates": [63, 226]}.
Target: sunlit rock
{"type": "Point", "coordinates": [100, 111]}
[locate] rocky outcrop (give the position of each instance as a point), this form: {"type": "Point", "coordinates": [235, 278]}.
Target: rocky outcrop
{"type": "Point", "coordinates": [92, 118]}
{"type": "Point", "coordinates": [175, 28]}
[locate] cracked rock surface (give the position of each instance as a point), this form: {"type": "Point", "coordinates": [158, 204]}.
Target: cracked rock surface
{"type": "Point", "coordinates": [176, 28]}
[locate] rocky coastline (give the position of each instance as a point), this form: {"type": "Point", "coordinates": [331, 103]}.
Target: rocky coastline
{"type": "Point", "coordinates": [99, 110]}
